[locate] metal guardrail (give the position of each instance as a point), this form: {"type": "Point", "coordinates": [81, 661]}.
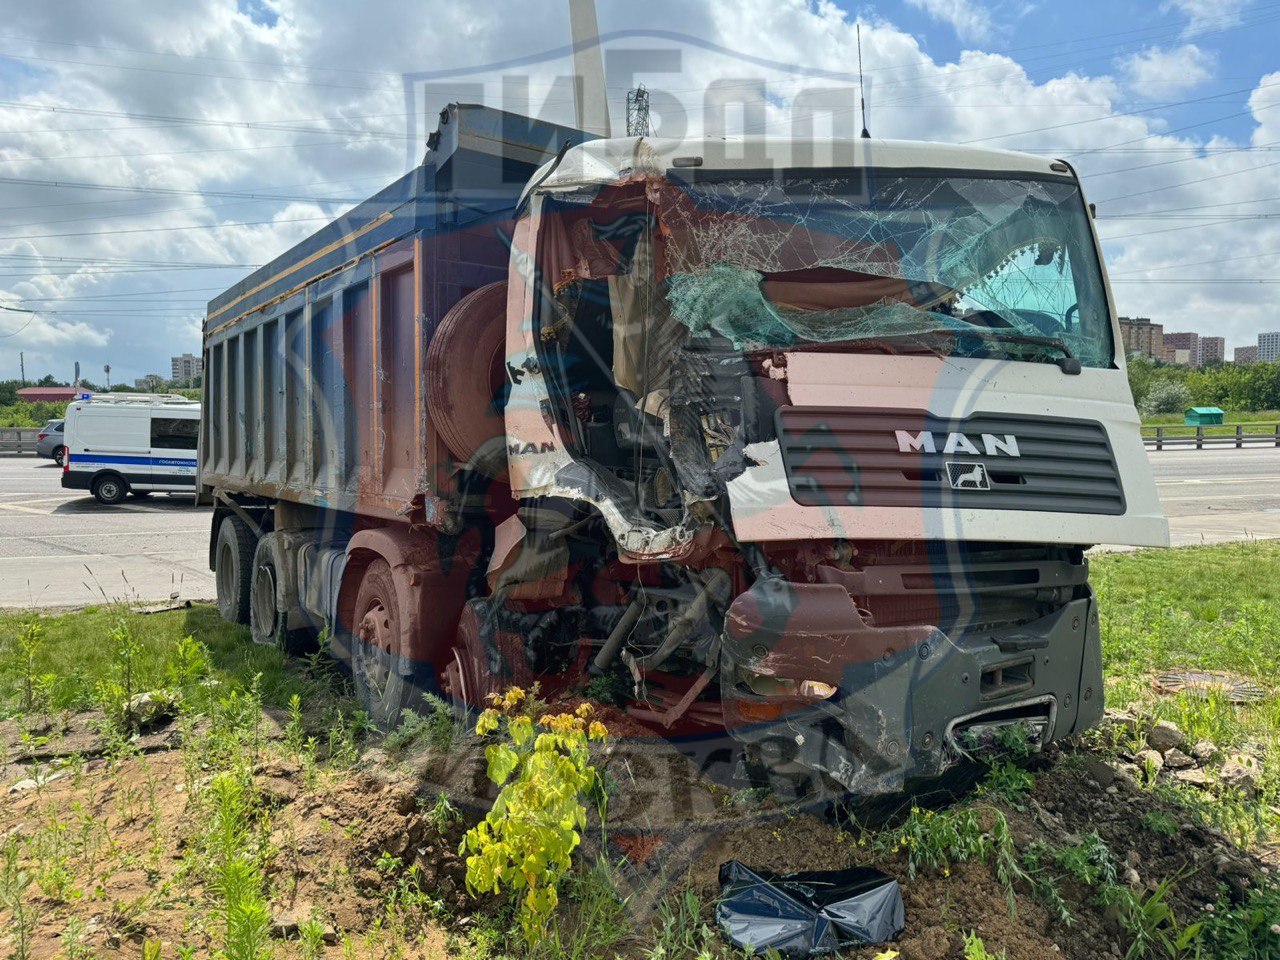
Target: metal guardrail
{"type": "Point", "coordinates": [1237, 435]}
{"type": "Point", "coordinates": [18, 439]}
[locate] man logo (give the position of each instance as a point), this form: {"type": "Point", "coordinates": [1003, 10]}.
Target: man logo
{"type": "Point", "coordinates": [968, 476]}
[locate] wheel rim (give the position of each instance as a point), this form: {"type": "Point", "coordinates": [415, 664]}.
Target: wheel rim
{"type": "Point", "coordinates": [109, 489]}
{"type": "Point", "coordinates": [264, 598]}
{"type": "Point", "coordinates": [226, 581]}
{"type": "Point", "coordinates": [58, 455]}
{"type": "Point", "coordinates": [374, 657]}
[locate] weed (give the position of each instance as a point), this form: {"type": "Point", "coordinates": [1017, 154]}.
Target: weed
{"type": "Point", "coordinates": [295, 731]}
{"type": "Point", "coordinates": [74, 941]}
{"type": "Point", "coordinates": [443, 814]}
{"type": "Point", "coordinates": [14, 881]}
{"type": "Point", "coordinates": [438, 728]}
{"type": "Point", "coordinates": [30, 640]}
{"type": "Point", "coordinates": [607, 688]}
{"type": "Point", "coordinates": [1088, 862]}
{"type": "Point", "coordinates": [975, 949]}
{"type": "Point", "coordinates": [681, 929]}
{"type": "Point", "coordinates": [1157, 821]}
{"type": "Point", "coordinates": [1243, 931]}
{"type": "Point", "coordinates": [311, 933]}
{"type": "Point", "coordinates": [525, 843]}
{"type": "Point", "coordinates": [597, 918]}
{"type": "Point", "coordinates": [1150, 921]}
{"type": "Point", "coordinates": [1009, 782]}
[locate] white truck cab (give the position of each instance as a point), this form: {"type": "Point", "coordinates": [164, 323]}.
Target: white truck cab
{"type": "Point", "coordinates": [130, 443]}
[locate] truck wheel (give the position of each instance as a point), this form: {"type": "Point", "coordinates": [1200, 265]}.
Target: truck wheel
{"type": "Point", "coordinates": [466, 375]}
{"type": "Point", "coordinates": [383, 679]}
{"type": "Point", "coordinates": [110, 489]}
{"type": "Point", "coordinates": [232, 564]}
{"type": "Point", "coordinates": [471, 676]}
{"type": "Point", "coordinates": [268, 624]}
{"type": "Point", "coordinates": [58, 454]}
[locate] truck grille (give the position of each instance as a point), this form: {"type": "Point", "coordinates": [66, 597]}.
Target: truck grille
{"type": "Point", "coordinates": [839, 456]}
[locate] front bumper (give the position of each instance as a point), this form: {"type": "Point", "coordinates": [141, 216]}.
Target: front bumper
{"type": "Point", "coordinates": [909, 702]}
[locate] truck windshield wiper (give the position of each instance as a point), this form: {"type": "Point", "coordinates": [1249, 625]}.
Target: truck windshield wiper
{"type": "Point", "coordinates": [1068, 362]}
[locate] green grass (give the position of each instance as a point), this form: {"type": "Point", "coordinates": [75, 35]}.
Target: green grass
{"type": "Point", "coordinates": [1232, 416]}
{"type": "Point", "coordinates": [1216, 608]}
{"type": "Point", "coordinates": [76, 652]}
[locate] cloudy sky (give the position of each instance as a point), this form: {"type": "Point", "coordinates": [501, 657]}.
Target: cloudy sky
{"type": "Point", "coordinates": [152, 154]}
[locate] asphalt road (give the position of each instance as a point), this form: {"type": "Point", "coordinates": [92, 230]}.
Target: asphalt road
{"type": "Point", "coordinates": [62, 548]}
{"type": "Point", "coordinates": [1211, 496]}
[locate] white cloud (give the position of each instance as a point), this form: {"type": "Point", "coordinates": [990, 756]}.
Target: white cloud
{"type": "Point", "coordinates": [1205, 15]}
{"type": "Point", "coordinates": [1159, 72]}
{"type": "Point", "coordinates": [969, 20]}
{"type": "Point", "coordinates": [320, 73]}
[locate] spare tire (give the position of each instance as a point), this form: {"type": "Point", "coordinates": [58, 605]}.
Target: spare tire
{"type": "Point", "coordinates": [466, 375]}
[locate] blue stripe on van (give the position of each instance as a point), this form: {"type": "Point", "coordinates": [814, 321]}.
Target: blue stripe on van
{"type": "Point", "coordinates": [169, 461]}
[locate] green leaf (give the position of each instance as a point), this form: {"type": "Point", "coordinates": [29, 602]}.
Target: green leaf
{"type": "Point", "coordinates": [502, 762]}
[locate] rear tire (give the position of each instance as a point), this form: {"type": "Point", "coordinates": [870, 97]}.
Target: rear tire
{"type": "Point", "coordinates": [383, 678]}
{"type": "Point", "coordinates": [268, 624]}
{"type": "Point", "coordinates": [110, 489]}
{"type": "Point", "coordinates": [59, 454]}
{"type": "Point", "coordinates": [233, 563]}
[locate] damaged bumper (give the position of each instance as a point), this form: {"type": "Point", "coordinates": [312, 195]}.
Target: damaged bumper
{"type": "Point", "coordinates": [809, 686]}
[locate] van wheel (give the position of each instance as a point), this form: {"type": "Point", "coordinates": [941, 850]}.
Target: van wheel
{"type": "Point", "coordinates": [232, 563]}
{"type": "Point", "coordinates": [110, 489]}
{"type": "Point", "coordinates": [59, 454]}
{"type": "Point", "coordinates": [383, 678]}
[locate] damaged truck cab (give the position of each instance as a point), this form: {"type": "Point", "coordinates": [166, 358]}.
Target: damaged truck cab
{"type": "Point", "coordinates": [805, 454]}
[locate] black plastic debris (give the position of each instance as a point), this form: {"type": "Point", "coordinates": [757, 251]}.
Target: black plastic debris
{"type": "Point", "coordinates": [804, 914]}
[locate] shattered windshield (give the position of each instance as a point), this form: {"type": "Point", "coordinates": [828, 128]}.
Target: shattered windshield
{"type": "Point", "coordinates": [803, 259]}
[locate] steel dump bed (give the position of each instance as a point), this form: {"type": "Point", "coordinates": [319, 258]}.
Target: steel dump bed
{"type": "Point", "coordinates": [313, 364]}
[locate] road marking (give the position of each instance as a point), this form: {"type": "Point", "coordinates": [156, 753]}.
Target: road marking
{"type": "Point", "coordinates": [103, 533]}
{"type": "Point", "coordinates": [18, 508]}
{"type": "Point", "coordinates": [1225, 496]}
{"type": "Point", "coordinates": [1203, 480]}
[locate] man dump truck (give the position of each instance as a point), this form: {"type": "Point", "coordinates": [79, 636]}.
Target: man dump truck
{"type": "Point", "coordinates": [804, 452]}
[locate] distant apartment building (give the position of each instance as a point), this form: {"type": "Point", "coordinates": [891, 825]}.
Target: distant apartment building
{"type": "Point", "coordinates": [1268, 347]}
{"type": "Point", "coordinates": [185, 368]}
{"type": "Point", "coordinates": [1244, 355]}
{"type": "Point", "coordinates": [1176, 343]}
{"type": "Point", "coordinates": [1142, 336]}
{"type": "Point", "coordinates": [1212, 350]}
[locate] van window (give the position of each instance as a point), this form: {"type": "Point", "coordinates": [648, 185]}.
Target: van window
{"type": "Point", "coordinates": [174, 433]}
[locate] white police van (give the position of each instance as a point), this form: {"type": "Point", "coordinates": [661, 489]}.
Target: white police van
{"type": "Point", "coordinates": [131, 443]}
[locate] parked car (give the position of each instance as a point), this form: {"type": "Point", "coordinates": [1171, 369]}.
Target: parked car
{"type": "Point", "coordinates": [49, 442]}
{"type": "Point", "coordinates": [129, 443]}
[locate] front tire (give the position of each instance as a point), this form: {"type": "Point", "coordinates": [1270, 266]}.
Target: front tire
{"type": "Point", "coordinates": [110, 489]}
{"type": "Point", "coordinates": [383, 677]}
{"type": "Point", "coordinates": [232, 565]}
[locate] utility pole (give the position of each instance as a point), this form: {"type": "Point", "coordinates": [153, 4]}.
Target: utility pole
{"type": "Point", "coordinates": [106, 368]}
{"type": "Point", "coordinates": [638, 112]}
{"type": "Point", "coordinates": [22, 366]}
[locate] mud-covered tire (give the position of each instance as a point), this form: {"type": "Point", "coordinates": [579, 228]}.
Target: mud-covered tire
{"type": "Point", "coordinates": [474, 672]}
{"type": "Point", "coordinates": [384, 680]}
{"type": "Point", "coordinates": [466, 375]}
{"type": "Point", "coordinates": [110, 489]}
{"type": "Point", "coordinates": [232, 567]}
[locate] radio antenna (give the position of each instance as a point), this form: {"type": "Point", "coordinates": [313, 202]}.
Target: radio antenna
{"type": "Point", "coordinates": [862, 96]}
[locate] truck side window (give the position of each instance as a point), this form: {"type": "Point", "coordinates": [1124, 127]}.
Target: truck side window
{"type": "Point", "coordinates": [173, 433]}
